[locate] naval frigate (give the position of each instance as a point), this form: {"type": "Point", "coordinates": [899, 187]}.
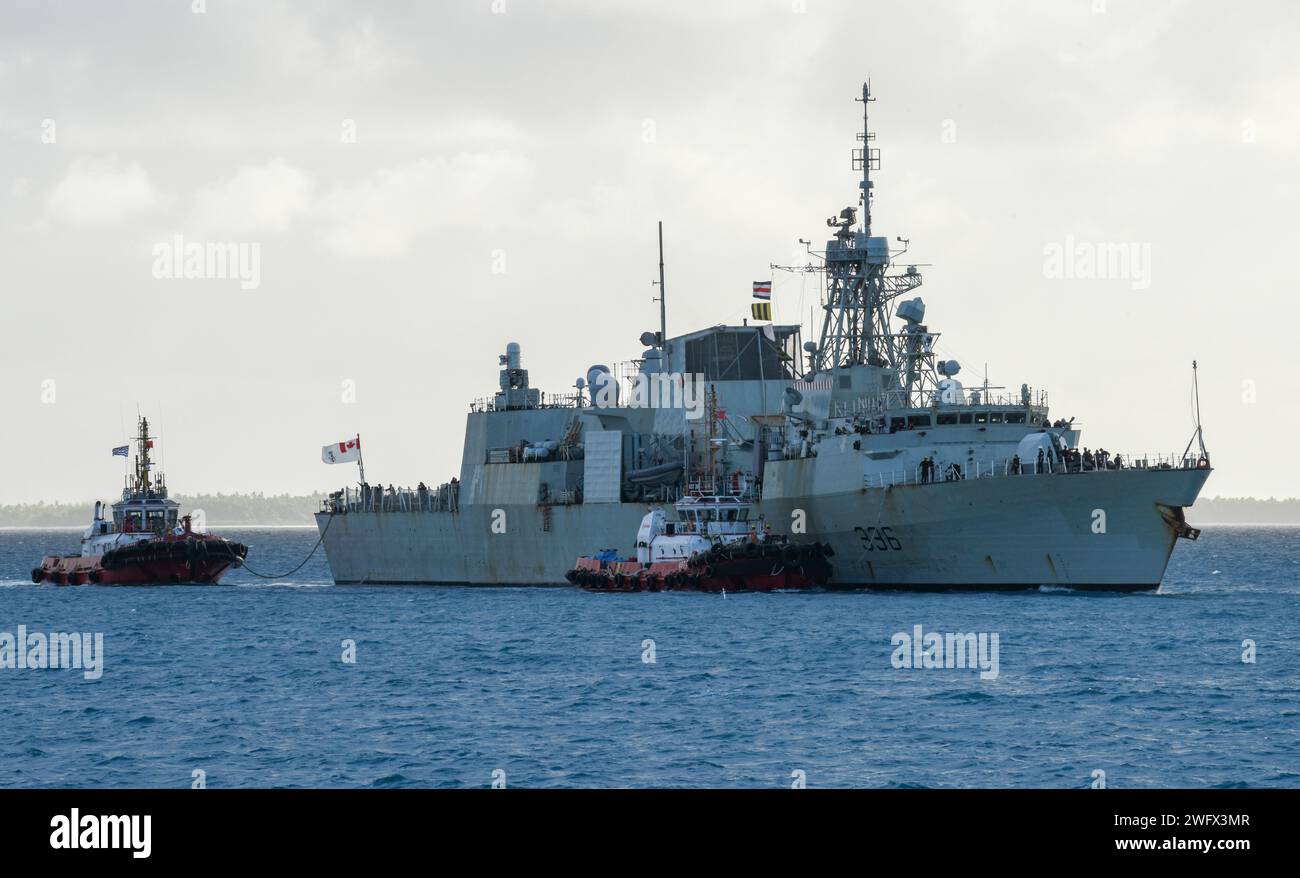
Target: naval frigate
{"type": "Point", "coordinates": [863, 439]}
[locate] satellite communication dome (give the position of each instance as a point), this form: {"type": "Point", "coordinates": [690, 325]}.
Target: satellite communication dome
{"type": "Point", "coordinates": [951, 392]}
{"type": "Point", "coordinates": [598, 377]}
{"type": "Point", "coordinates": [948, 368]}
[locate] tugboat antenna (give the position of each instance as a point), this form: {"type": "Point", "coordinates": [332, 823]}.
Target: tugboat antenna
{"type": "Point", "coordinates": [142, 458]}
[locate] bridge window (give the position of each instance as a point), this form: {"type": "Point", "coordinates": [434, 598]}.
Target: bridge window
{"type": "Point", "coordinates": [946, 418]}
{"type": "Point", "coordinates": [914, 421]}
{"type": "Point", "coordinates": [965, 418]}
{"type": "Point", "coordinates": [981, 417]}
{"type": "Point", "coordinates": [1015, 417]}
{"type": "Point", "coordinates": [995, 417]}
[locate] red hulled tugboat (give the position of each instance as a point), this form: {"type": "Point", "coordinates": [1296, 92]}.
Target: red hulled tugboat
{"type": "Point", "coordinates": [144, 543]}
{"type": "Point", "coordinates": [715, 546]}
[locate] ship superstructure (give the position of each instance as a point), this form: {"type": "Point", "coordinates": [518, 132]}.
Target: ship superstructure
{"type": "Point", "coordinates": [864, 439]}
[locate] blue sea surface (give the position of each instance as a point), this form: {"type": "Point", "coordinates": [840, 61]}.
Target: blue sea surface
{"type": "Point", "coordinates": [554, 687]}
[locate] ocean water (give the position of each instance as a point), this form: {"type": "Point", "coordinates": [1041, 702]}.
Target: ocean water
{"type": "Point", "coordinates": [452, 687]}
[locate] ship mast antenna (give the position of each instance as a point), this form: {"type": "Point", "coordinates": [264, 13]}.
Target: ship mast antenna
{"type": "Point", "coordinates": [855, 327]}
{"type": "Point", "coordinates": [867, 156]}
{"type": "Point", "coordinates": [663, 308]}
{"type": "Point", "coordinates": [1197, 436]}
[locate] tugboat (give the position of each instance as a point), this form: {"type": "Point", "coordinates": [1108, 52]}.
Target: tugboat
{"type": "Point", "coordinates": [143, 543]}
{"type": "Point", "coordinates": [714, 547]}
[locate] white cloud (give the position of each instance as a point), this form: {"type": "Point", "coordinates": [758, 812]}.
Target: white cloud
{"type": "Point", "coordinates": [102, 191]}
{"type": "Point", "coordinates": [383, 214]}
{"type": "Point", "coordinates": [257, 198]}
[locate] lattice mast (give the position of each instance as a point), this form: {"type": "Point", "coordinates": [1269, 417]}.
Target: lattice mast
{"type": "Point", "coordinates": [855, 324]}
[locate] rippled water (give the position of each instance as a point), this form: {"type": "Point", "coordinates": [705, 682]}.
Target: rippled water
{"type": "Point", "coordinates": [245, 682]}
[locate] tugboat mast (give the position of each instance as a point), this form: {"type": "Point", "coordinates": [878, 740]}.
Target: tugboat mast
{"type": "Point", "coordinates": [142, 457]}
{"type": "Point", "coordinates": [144, 484]}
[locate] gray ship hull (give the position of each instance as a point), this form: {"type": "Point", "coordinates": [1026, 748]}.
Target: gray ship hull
{"type": "Point", "coordinates": [1110, 530]}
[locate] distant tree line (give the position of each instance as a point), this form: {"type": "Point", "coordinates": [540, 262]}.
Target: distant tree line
{"type": "Point", "coordinates": [220, 509]}
{"type": "Point", "coordinates": [246, 509]}
{"type": "Point", "coordinates": [1244, 510]}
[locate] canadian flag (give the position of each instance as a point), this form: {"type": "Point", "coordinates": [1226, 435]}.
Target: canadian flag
{"type": "Point", "coordinates": [342, 452]}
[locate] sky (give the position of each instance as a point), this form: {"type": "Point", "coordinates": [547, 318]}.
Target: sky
{"type": "Point", "coordinates": [422, 183]}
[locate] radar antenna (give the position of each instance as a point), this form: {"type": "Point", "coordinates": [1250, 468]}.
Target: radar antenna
{"type": "Point", "coordinates": [856, 321]}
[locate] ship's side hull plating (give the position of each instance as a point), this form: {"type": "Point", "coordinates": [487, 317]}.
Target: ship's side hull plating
{"type": "Point", "coordinates": [1110, 530]}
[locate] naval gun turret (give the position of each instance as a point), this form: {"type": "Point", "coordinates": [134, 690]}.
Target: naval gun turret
{"type": "Point", "coordinates": [515, 392]}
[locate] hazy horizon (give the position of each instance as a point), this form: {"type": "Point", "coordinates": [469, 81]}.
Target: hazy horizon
{"type": "Point", "coordinates": [425, 184]}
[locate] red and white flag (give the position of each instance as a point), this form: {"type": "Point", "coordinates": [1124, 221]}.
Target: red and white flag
{"type": "Point", "coordinates": [762, 289]}
{"type": "Point", "coordinates": [342, 452]}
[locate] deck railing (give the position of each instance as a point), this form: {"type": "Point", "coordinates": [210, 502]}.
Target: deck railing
{"type": "Point", "coordinates": [1007, 468]}
{"type": "Point", "coordinates": [444, 498]}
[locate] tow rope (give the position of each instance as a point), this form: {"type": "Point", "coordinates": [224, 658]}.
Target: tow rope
{"type": "Point", "coordinates": [304, 560]}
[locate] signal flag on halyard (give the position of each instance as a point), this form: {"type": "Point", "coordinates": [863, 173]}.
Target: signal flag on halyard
{"type": "Point", "coordinates": [762, 310]}
{"type": "Point", "coordinates": [122, 451]}
{"type": "Point", "coordinates": [762, 289]}
{"type": "Point", "coordinates": [342, 452]}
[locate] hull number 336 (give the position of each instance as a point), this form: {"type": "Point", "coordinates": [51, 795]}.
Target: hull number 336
{"type": "Point", "coordinates": [878, 539]}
